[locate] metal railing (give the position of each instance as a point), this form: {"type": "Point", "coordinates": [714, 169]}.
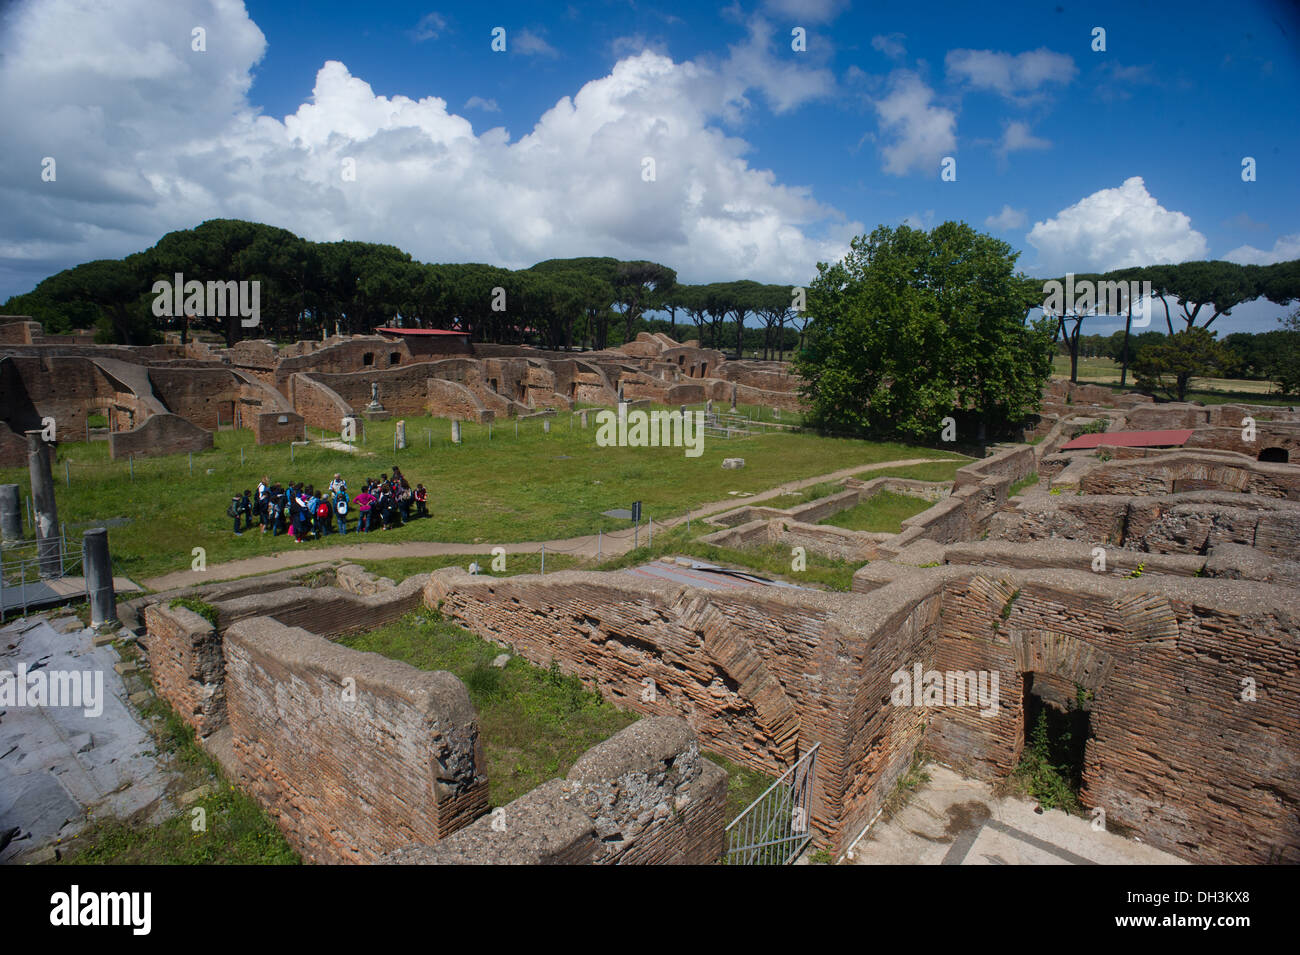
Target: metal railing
{"type": "Point", "coordinates": [22, 577]}
{"type": "Point", "coordinates": [775, 828]}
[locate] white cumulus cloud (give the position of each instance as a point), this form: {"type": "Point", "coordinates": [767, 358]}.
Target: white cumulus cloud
{"type": "Point", "coordinates": [166, 141]}
{"type": "Point", "coordinates": [917, 134]}
{"type": "Point", "coordinates": [1018, 77]}
{"type": "Point", "coordinates": [1113, 229]}
{"type": "Point", "coordinates": [1007, 219]}
{"type": "Point", "coordinates": [1017, 136]}
{"type": "Point", "coordinates": [1285, 249]}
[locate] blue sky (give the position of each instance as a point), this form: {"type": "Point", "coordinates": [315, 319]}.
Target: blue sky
{"type": "Point", "coordinates": [766, 159]}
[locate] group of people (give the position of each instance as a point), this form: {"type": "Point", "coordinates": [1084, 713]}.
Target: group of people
{"type": "Point", "coordinates": [305, 512]}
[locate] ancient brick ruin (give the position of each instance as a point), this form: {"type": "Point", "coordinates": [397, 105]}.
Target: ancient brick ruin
{"type": "Point", "coordinates": [166, 399]}
{"type": "Point", "coordinates": [1150, 590]}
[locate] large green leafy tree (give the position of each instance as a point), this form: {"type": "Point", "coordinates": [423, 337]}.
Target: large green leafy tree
{"type": "Point", "coordinates": [911, 326]}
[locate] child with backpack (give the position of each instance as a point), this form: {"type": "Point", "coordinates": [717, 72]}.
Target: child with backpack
{"type": "Point", "coordinates": [421, 495]}
{"type": "Point", "coordinates": [275, 510]}
{"type": "Point", "coordinates": [322, 523]}
{"type": "Point", "coordinates": [233, 511]}
{"type": "Point", "coordinates": [341, 507]}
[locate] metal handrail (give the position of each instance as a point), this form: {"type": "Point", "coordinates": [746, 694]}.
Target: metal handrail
{"type": "Point", "coordinates": [769, 821]}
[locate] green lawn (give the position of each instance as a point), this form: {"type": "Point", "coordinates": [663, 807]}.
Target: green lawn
{"type": "Point", "coordinates": [398, 569]}
{"type": "Point", "coordinates": [883, 512]}
{"type": "Point", "coordinates": [534, 723]}
{"type": "Point", "coordinates": [532, 487]}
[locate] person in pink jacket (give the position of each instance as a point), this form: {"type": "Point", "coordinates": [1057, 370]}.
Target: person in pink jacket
{"type": "Point", "coordinates": [364, 502]}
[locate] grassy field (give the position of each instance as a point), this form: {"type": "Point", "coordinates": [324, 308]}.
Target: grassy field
{"type": "Point", "coordinates": [883, 512]}
{"type": "Point", "coordinates": [534, 723]}
{"type": "Point", "coordinates": [1104, 371]}
{"type": "Point", "coordinates": [493, 490]}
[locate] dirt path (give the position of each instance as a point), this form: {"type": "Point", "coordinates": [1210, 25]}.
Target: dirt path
{"type": "Point", "coordinates": [610, 545]}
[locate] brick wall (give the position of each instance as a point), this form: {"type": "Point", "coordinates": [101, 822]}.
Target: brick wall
{"type": "Point", "coordinates": [644, 796]}
{"type": "Point", "coordinates": [159, 434]}
{"type": "Point", "coordinates": [277, 427]}
{"type": "Point", "coordinates": [1190, 471]}
{"type": "Point", "coordinates": [187, 665]}
{"type": "Point", "coordinates": [1177, 756]}
{"type": "Point", "coordinates": [329, 611]}
{"type": "Point", "coordinates": [353, 754]}
{"type": "Point", "coordinates": [320, 405]}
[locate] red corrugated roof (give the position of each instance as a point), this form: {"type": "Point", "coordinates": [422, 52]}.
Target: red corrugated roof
{"type": "Point", "coordinates": [1131, 439]}
{"type": "Point", "coordinates": [421, 331]}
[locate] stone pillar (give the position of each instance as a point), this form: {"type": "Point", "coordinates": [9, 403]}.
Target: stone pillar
{"type": "Point", "coordinates": [98, 568]}
{"type": "Point", "coordinates": [401, 435]}
{"type": "Point", "coordinates": [455, 432]}
{"type": "Point", "coordinates": [708, 407]}
{"type": "Point", "coordinates": [11, 513]}
{"type": "Point", "coordinates": [582, 416]}
{"type": "Point", "coordinates": [622, 417]}
{"type": "Point", "coordinates": [47, 513]}
{"type": "Point", "coordinates": [546, 425]}
{"type": "Point", "coordinates": [733, 397]}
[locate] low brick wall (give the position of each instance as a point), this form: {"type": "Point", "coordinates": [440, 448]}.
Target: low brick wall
{"type": "Point", "coordinates": [159, 434]}
{"type": "Point", "coordinates": [643, 796]}
{"type": "Point", "coordinates": [353, 754]}
{"type": "Point", "coordinates": [329, 611]}
{"type": "Point", "coordinates": [278, 427]}
{"type": "Point", "coordinates": [1190, 471]}
{"type": "Point", "coordinates": [188, 665]}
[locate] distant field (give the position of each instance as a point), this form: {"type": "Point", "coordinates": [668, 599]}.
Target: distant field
{"type": "Point", "coordinates": [535, 486]}
{"type": "Point", "coordinates": [1104, 371]}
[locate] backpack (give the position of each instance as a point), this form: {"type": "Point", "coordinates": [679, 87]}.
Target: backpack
{"type": "Point", "coordinates": [341, 505]}
{"type": "Point", "coordinates": [323, 509]}
{"type": "Point", "coordinates": [233, 509]}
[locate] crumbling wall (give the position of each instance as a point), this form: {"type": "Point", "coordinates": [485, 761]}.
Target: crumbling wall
{"type": "Point", "coordinates": [643, 796]}
{"type": "Point", "coordinates": [187, 665]}
{"type": "Point", "coordinates": [353, 754]}
{"type": "Point", "coordinates": [1192, 471]}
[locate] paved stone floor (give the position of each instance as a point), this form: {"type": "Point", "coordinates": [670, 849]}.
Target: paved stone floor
{"type": "Point", "coordinates": [951, 820]}
{"type": "Point", "coordinates": [60, 763]}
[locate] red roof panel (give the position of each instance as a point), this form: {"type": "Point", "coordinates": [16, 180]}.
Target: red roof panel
{"type": "Point", "coordinates": [1130, 439]}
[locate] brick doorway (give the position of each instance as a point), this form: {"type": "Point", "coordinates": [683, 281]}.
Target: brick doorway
{"type": "Point", "coordinates": [1057, 725]}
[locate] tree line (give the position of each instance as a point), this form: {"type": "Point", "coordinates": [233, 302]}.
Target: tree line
{"type": "Point", "coordinates": [313, 288]}
{"type": "Point", "coordinates": [1200, 292]}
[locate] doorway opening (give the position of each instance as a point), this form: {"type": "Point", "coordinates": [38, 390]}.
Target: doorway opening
{"type": "Point", "coordinates": [1057, 727]}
